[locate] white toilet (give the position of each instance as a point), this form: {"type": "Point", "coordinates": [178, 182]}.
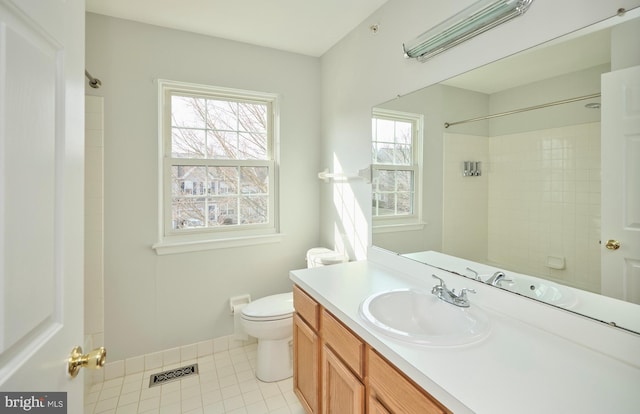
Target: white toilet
{"type": "Point", "coordinates": [270, 320]}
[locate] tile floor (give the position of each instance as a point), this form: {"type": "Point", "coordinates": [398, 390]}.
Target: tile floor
{"type": "Point", "coordinates": [226, 383]}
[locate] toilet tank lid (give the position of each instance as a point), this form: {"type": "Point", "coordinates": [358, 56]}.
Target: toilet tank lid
{"type": "Point", "coordinates": [270, 306]}
{"type": "Point", "coordinates": [322, 255]}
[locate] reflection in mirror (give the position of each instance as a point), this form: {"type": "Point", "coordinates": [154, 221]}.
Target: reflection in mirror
{"type": "Point", "coordinates": [527, 191]}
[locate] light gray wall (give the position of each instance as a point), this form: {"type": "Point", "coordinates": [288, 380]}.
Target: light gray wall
{"type": "Point", "coordinates": [365, 69]}
{"type": "Point", "coordinates": [581, 83]}
{"type": "Point", "coordinates": [438, 104]}
{"type": "Point", "coordinates": [158, 302]}
{"type": "Point", "coordinates": [625, 52]}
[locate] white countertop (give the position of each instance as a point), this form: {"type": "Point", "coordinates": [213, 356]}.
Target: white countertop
{"type": "Point", "coordinates": [518, 368]}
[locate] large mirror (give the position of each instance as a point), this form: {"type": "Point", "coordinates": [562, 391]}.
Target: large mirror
{"type": "Point", "coordinates": [529, 190]}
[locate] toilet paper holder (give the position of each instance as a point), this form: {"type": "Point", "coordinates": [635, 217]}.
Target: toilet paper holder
{"type": "Point", "coordinates": [238, 300]}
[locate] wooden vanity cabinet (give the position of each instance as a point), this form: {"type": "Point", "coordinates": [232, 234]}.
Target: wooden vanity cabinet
{"type": "Point", "coordinates": [389, 391]}
{"type": "Point", "coordinates": [375, 407]}
{"type": "Point", "coordinates": [306, 351]}
{"type": "Point", "coordinates": [342, 391]}
{"type": "Point", "coordinates": [336, 372]}
{"type": "Point", "coordinates": [342, 374]}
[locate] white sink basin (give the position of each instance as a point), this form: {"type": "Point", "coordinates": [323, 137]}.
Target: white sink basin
{"type": "Point", "coordinates": [542, 290]}
{"type": "Point", "coordinates": [419, 317]}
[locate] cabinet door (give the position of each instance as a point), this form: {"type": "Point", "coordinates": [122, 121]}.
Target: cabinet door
{"type": "Point", "coordinates": [306, 362]}
{"type": "Point", "coordinates": [397, 393]}
{"type": "Point", "coordinates": [307, 308]}
{"type": "Point", "coordinates": [342, 392]}
{"type": "Point", "coordinates": [375, 407]}
{"type": "Point", "coordinates": [344, 343]}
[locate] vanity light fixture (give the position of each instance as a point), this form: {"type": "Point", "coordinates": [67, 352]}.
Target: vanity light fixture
{"type": "Point", "coordinates": [481, 16]}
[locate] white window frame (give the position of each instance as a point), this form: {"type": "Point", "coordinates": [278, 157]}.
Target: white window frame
{"type": "Point", "coordinates": [186, 240]}
{"type": "Point", "coordinates": [387, 224]}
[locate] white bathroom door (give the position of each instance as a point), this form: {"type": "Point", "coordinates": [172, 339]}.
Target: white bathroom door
{"type": "Point", "coordinates": [621, 184]}
{"type": "Point", "coordinates": [41, 197]}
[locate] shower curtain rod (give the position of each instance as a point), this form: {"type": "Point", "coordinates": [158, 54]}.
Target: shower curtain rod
{"type": "Point", "coordinates": [93, 82]}
{"type": "Point", "coordinates": [515, 111]}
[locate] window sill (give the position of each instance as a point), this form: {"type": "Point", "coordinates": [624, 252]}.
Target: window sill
{"type": "Point", "coordinates": [175, 247]}
{"type": "Point", "coordinates": [392, 228]}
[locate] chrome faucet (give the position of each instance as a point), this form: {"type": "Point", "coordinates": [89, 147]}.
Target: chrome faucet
{"type": "Point", "coordinates": [450, 296]}
{"type": "Point", "coordinates": [497, 278]}
{"type": "Point", "coordinates": [475, 274]}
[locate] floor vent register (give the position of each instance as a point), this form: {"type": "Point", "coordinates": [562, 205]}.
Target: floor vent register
{"type": "Point", "coordinates": [173, 375]}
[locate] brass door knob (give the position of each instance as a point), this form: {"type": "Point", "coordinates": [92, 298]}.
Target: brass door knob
{"type": "Point", "coordinates": [93, 360]}
{"type": "Point", "coordinates": [612, 244]}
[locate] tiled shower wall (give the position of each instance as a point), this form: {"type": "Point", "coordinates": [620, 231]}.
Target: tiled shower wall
{"type": "Point", "coordinates": [543, 203]}
{"type": "Point", "coordinates": [93, 221]}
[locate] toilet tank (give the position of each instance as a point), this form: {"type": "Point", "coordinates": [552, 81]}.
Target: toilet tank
{"type": "Point", "coordinates": [321, 256]}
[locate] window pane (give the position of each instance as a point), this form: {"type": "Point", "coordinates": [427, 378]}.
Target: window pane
{"type": "Point", "coordinates": [404, 180]}
{"type": "Point", "coordinates": [383, 154]}
{"type": "Point", "coordinates": [223, 211]}
{"type": "Point", "coordinates": [385, 130]}
{"type": "Point", "coordinates": [252, 146]}
{"type": "Point", "coordinates": [254, 210]}
{"type": "Point", "coordinates": [187, 112]}
{"type": "Point", "coordinates": [402, 155]}
{"type": "Point", "coordinates": [188, 180]}
{"type": "Point", "coordinates": [392, 193]}
{"type": "Point", "coordinates": [187, 143]}
{"type": "Point", "coordinates": [392, 204]}
{"type": "Point", "coordinates": [254, 180]}
{"type": "Point", "coordinates": [227, 129]}
{"type": "Point", "coordinates": [403, 203]}
{"type": "Point", "coordinates": [222, 145]}
{"type": "Point", "coordinates": [252, 117]}
{"type": "Point", "coordinates": [222, 115]}
{"type": "Point", "coordinates": [403, 132]}
{"type": "Point", "coordinates": [188, 213]}
{"type": "Point", "coordinates": [386, 180]}
{"type": "Point", "coordinates": [392, 142]}
{"type": "Point", "coordinates": [223, 180]}
{"type": "Point", "coordinates": [383, 204]}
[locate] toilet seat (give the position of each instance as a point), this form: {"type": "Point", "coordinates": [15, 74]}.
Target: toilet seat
{"type": "Point", "coordinates": [270, 308]}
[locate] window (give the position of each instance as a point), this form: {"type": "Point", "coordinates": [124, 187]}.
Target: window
{"type": "Point", "coordinates": [396, 160]}
{"type": "Point", "coordinates": [218, 177]}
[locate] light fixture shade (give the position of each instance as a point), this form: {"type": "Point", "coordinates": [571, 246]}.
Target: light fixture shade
{"type": "Point", "coordinates": [475, 19]}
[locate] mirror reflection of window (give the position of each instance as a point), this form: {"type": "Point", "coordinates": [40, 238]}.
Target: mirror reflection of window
{"type": "Point", "coordinates": [395, 166]}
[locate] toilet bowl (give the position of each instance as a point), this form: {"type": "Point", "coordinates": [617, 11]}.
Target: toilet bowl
{"type": "Point", "coordinates": [270, 320]}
